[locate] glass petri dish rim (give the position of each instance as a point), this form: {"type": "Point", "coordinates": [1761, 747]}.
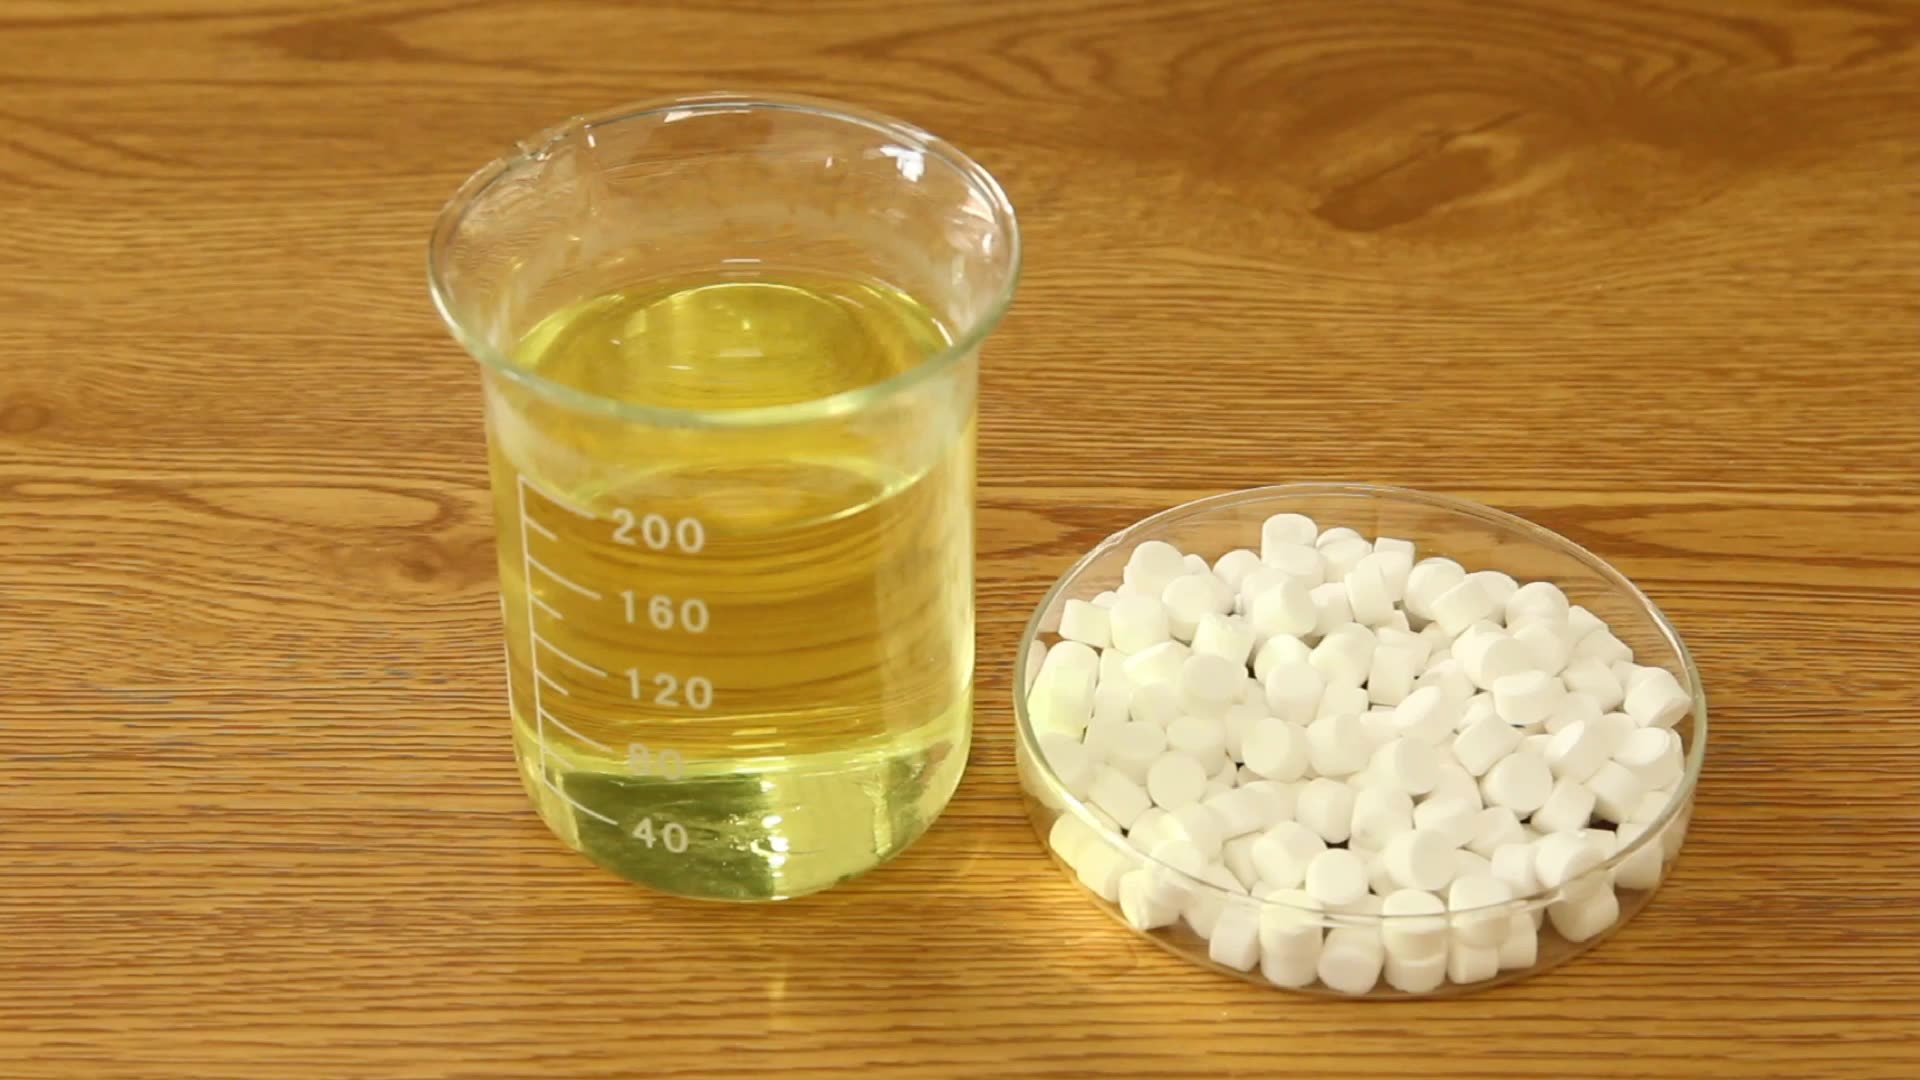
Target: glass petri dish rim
{"type": "Point", "coordinates": [966, 340]}
{"type": "Point", "coordinates": [1466, 508]}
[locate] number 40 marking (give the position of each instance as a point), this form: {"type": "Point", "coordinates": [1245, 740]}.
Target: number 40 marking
{"type": "Point", "coordinates": [672, 835]}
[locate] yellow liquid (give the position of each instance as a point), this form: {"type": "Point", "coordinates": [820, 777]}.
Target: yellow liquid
{"type": "Point", "coordinates": [741, 663]}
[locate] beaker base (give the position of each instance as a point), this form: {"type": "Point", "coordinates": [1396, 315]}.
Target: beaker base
{"type": "Point", "coordinates": [769, 830]}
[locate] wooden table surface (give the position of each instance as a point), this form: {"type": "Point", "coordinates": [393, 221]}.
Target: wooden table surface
{"type": "Point", "coordinates": [1644, 272]}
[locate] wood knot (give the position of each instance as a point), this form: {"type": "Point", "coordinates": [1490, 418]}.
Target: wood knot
{"type": "Point", "coordinates": [344, 38]}
{"type": "Point", "coordinates": [20, 416]}
{"type": "Point", "coordinates": [1438, 170]}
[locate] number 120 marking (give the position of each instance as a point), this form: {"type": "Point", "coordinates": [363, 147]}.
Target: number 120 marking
{"type": "Point", "coordinates": [696, 693]}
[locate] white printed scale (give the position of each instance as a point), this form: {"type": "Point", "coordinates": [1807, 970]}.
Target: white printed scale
{"type": "Point", "coordinates": [667, 690]}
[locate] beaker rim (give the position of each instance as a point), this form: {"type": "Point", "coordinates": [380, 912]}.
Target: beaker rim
{"type": "Point", "coordinates": [965, 341]}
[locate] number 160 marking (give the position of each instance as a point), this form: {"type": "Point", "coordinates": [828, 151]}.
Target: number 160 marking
{"type": "Point", "coordinates": [691, 616]}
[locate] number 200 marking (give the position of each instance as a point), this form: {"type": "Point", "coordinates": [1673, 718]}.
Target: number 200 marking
{"type": "Point", "coordinates": [667, 690]}
{"type": "Point", "coordinates": [657, 533]}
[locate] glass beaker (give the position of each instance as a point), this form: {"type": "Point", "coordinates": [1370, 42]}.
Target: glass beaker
{"type": "Point", "coordinates": [729, 354]}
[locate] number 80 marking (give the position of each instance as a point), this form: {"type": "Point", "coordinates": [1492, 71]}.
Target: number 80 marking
{"type": "Point", "coordinates": [667, 763]}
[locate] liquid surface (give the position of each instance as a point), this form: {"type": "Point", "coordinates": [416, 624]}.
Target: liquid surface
{"type": "Point", "coordinates": [741, 662]}
{"type": "Point", "coordinates": [734, 342]}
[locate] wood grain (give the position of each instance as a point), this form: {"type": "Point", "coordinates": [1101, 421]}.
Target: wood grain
{"type": "Point", "coordinates": [1643, 271]}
